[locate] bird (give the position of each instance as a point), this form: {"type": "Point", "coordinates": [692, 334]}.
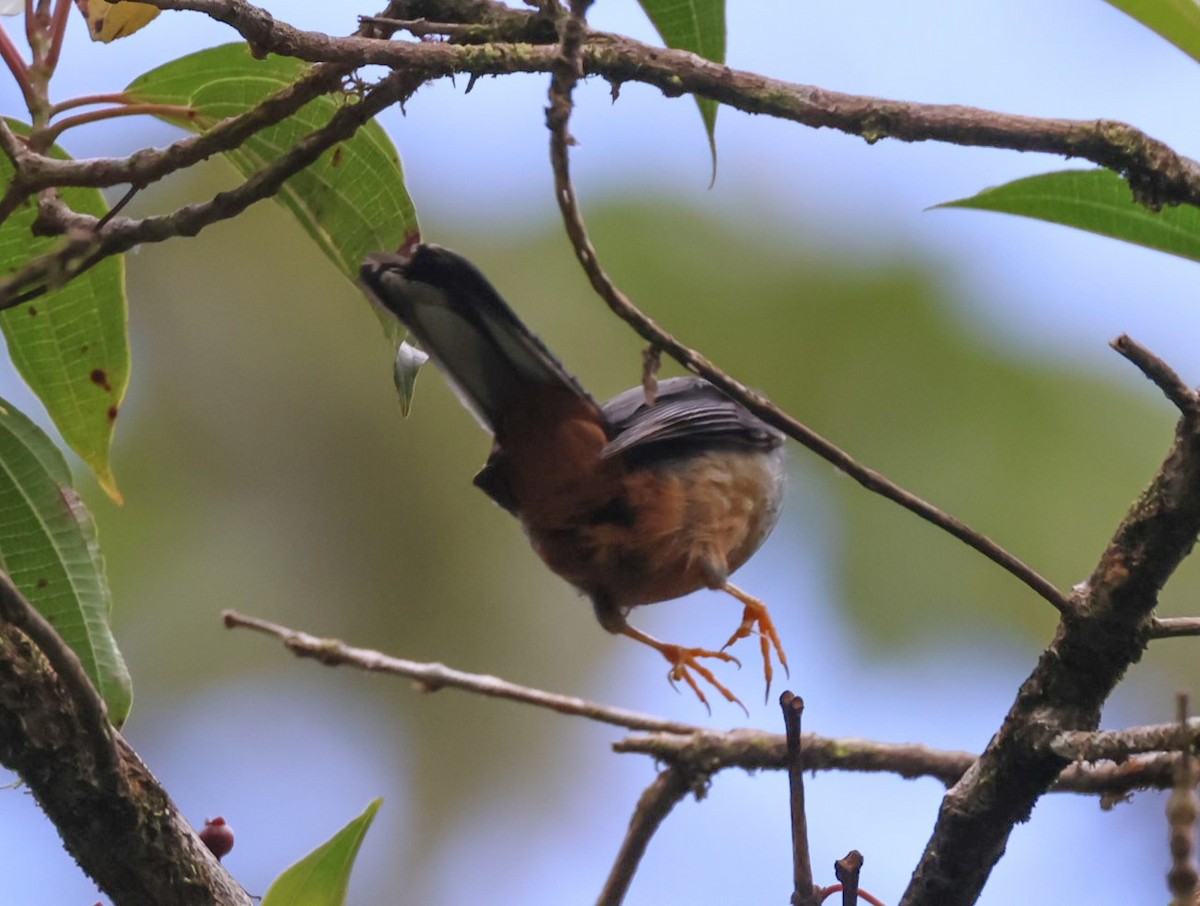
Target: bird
{"type": "Point", "coordinates": [640, 500]}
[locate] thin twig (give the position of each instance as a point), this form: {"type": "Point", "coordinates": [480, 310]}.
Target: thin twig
{"type": "Point", "coordinates": [862, 895]}
{"type": "Point", "coordinates": [13, 145]}
{"type": "Point", "coordinates": [1082, 745]}
{"type": "Point", "coordinates": [1181, 815]}
{"type": "Point", "coordinates": [1174, 627]}
{"type": "Point", "coordinates": [422, 28]}
{"type": "Point", "coordinates": [804, 893]}
{"type": "Point", "coordinates": [17, 191]}
{"type": "Point", "coordinates": [564, 76]}
{"type": "Point", "coordinates": [31, 28]}
{"type": "Point", "coordinates": [656, 802]}
{"type": "Point", "coordinates": [651, 362]}
{"type": "Point", "coordinates": [93, 713]}
{"type": "Point", "coordinates": [121, 233]}
{"type": "Point", "coordinates": [432, 677]}
{"type": "Point", "coordinates": [1160, 373]}
{"type": "Point", "coordinates": [696, 748]}
{"type": "Point", "coordinates": [117, 208]}
{"type": "Point", "coordinates": [58, 31]}
{"type": "Point", "coordinates": [1156, 173]}
{"type": "Point", "coordinates": [847, 870]}
{"type": "Point", "coordinates": [17, 66]}
{"type": "Point", "coordinates": [88, 100]}
{"type": "Point", "coordinates": [51, 133]}
{"type": "Point", "coordinates": [755, 750]}
{"type": "Point", "coordinates": [151, 164]}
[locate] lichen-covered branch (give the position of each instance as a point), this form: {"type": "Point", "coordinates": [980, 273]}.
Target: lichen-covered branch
{"type": "Point", "coordinates": [1096, 642]}
{"type": "Point", "coordinates": [1157, 174]}
{"type": "Point", "coordinates": [123, 830]}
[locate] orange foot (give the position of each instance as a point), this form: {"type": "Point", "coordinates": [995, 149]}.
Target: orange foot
{"type": "Point", "coordinates": [685, 661]}
{"type": "Point", "coordinates": [756, 613]}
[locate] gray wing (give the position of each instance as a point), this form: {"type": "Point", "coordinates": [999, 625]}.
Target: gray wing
{"type": "Point", "coordinates": [688, 413]}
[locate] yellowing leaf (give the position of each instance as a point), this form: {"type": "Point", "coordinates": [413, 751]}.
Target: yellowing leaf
{"type": "Point", "coordinates": [109, 21]}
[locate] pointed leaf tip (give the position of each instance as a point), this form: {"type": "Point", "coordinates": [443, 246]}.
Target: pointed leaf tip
{"type": "Point", "coordinates": [321, 878]}
{"type": "Point", "coordinates": [1097, 201]}
{"type": "Point", "coordinates": [697, 26]}
{"type": "Point", "coordinates": [1176, 21]}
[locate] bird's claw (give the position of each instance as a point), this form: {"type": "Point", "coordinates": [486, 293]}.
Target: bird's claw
{"type": "Point", "coordinates": [756, 619]}
{"type": "Point", "coordinates": [686, 660]}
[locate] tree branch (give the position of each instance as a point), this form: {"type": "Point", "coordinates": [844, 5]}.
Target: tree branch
{"type": "Point", "coordinates": [656, 802]}
{"type": "Point", "coordinates": [1095, 644]}
{"type": "Point", "coordinates": [16, 610]}
{"type": "Point", "coordinates": [755, 750]}
{"type": "Point", "coordinates": [701, 751]}
{"type": "Point", "coordinates": [1174, 627]}
{"type": "Point", "coordinates": [434, 677]}
{"type": "Point", "coordinates": [127, 835]}
{"type": "Point", "coordinates": [1080, 745]}
{"type": "Point", "coordinates": [1156, 173]}
{"type": "Point", "coordinates": [804, 892]}
{"type": "Point", "coordinates": [119, 234]}
{"type": "Point", "coordinates": [1161, 374]}
{"type": "Point", "coordinates": [564, 76]}
{"type": "Point", "coordinates": [1182, 809]}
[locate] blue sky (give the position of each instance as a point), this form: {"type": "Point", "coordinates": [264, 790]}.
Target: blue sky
{"type": "Point", "coordinates": [1039, 289]}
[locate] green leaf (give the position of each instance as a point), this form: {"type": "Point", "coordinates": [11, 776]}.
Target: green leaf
{"type": "Point", "coordinates": [1098, 201]}
{"type": "Point", "coordinates": [48, 546]}
{"type": "Point", "coordinates": [352, 201]}
{"type": "Point", "coordinates": [698, 26]}
{"type": "Point", "coordinates": [321, 877]}
{"type": "Point", "coordinates": [71, 346]}
{"type": "Point", "coordinates": [1176, 20]}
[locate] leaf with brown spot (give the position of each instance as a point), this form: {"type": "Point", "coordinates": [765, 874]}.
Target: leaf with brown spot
{"type": "Point", "coordinates": [109, 21]}
{"type": "Point", "coordinates": [48, 545]}
{"type": "Point", "coordinates": [71, 334]}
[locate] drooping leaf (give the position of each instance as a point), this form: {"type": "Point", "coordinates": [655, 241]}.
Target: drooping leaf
{"type": "Point", "coordinates": [1176, 20]}
{"type": "Point", "coordinates": [48, 546]}
{"type": "Point", "coordinates": [352, 201]}
{"type": "Point", "coordinates": [698, 26]}
{"type": "Point", "coordinates": [1098, 201]}
{"type": "Point", "coordinates": [108, 21]}
{"type": "Point", "coordinates": [321, 877]}
{"type": "Point", "coordinates": [72, 345]}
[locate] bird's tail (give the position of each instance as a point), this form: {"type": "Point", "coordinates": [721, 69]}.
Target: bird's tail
{"type": "Point", "coordinates": [489, 357]}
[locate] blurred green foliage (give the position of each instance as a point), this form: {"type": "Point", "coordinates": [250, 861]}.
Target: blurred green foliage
{"type": "Point", "coordinates": [266, 467]}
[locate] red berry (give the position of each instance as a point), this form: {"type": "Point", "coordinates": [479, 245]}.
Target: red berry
{"type": "Point", "coordinates": [217, 836]}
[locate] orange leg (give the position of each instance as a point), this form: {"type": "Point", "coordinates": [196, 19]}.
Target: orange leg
{"type": "Point", "coordinates": [685, 660]}
{"type": "Point", "coordinates": [756, 613]}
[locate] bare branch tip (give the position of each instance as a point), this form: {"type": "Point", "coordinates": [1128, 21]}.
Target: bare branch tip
{"type": "Point", "coordinates": [1162, 375]}
{"type": "Point", "coordinates": [1174, 627]}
